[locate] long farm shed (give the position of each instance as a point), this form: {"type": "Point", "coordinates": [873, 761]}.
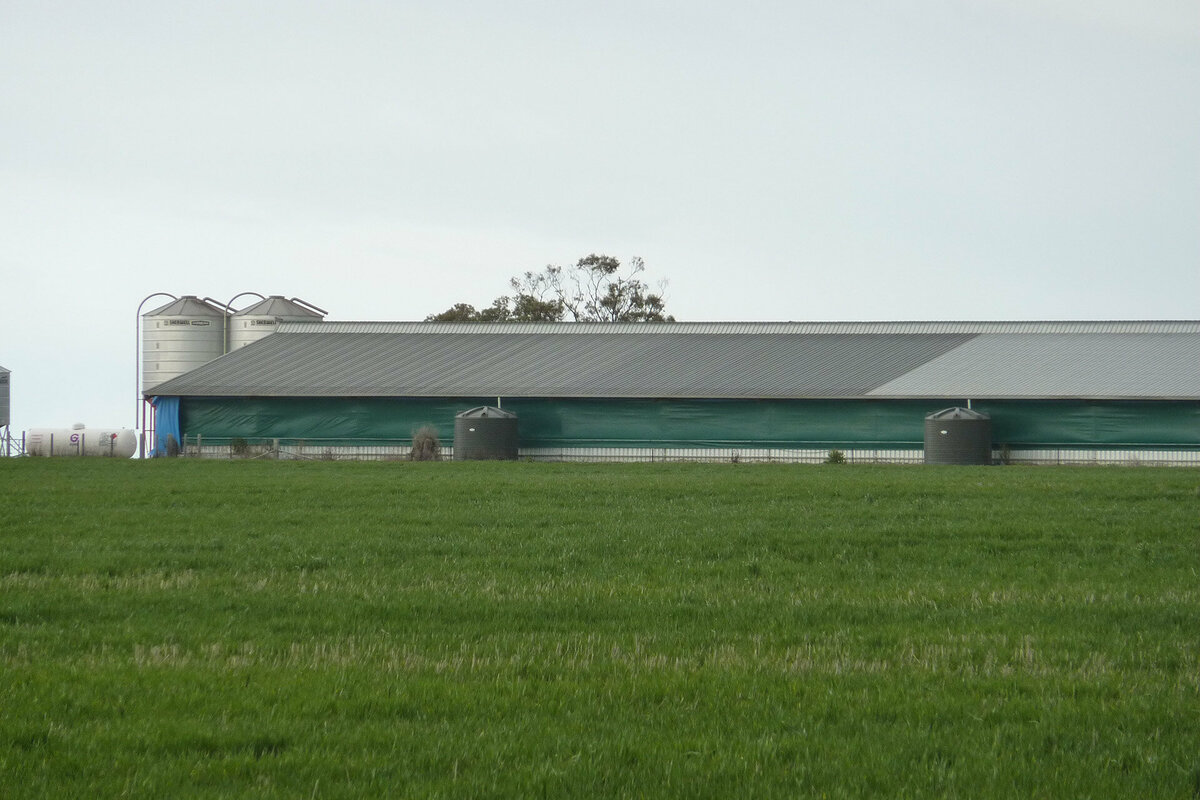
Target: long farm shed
{"type": "Point", "coordinates": [1054, 390]}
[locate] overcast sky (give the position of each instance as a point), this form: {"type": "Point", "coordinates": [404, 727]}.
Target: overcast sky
{"type": "Point", "coordinates": [831, 160]}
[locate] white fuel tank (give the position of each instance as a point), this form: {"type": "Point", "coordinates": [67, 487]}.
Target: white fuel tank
{"type": "Point", "coordinates": [81, 441]}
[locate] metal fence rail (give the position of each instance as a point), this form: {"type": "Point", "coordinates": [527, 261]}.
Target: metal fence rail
{"type": "Point", "coordinates": [801, 453]}
{"type": "Point", "coordinates": [9, 444]}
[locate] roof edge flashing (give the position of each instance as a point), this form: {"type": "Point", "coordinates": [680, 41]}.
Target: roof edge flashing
{"type": "Point", "coordinates": [774, 328]}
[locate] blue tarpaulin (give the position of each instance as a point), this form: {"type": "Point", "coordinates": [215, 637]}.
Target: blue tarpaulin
{"type": "Point", "coordinates": [166, 423]}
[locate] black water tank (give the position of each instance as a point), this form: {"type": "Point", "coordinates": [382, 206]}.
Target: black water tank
{"type": "Point", "coordinates": [485, 434]}
{"type": "Point", "coordinates": [958, 436]}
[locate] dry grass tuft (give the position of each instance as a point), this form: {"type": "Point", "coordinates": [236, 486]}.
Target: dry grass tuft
{"type": "Point", "coordinates": [426, 444]}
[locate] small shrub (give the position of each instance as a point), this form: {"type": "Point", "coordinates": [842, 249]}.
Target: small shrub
{"type": "Point", "coordinates": [835, 457]}
{"type": "Point", "coordinates": [426, 445]}
{"type": "Point", "coordinates": [239, 446]}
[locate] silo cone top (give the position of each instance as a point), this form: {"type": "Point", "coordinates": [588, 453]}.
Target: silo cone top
{"type": "Point", "coordinates": [277, 306]}
{"type": "Point", "coordinates": [957, 412]}
{"type": "Point", "coordinates": [187, 306]}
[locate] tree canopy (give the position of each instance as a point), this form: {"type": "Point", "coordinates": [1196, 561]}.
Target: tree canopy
{"type": "Point", "coordinates": [594, 289]}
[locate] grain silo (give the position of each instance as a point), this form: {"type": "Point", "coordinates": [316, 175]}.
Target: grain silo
{"type": "Point", "coordinates": [485, 434]}
{"type": "Point", "coordinates": [254, 322]}
{"type": "Point", "coordinates": [5, 434]}
{"type": "Point", "coordinates": [180, 336]}
{"type": "Point", "coordinates": [958, 436]}
{"type": "Point", "coordinates": [4, 401]}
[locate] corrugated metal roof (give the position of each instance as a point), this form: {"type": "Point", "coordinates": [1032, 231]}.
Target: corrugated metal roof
{"type": "Point", "coordinates": [781, 328]}
{"type": "Point", "coordinates": [730, 360]}
{"type": "Point", "coordinates": [601, 365]}
{"type": "Point", "coordinates": [1102, 365]}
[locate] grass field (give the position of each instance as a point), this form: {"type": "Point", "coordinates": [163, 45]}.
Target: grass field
{"type": "Point", "coordinates": [222, 629]}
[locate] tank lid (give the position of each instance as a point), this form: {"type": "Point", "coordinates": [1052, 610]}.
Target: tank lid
{"type": "Point", "coordinates": [957, 412]}
{"type": "Point", "coordinates": [279, 306]}
{"type": "Point", "coordinates": [486, 411]}
{"type": "Point", "coordinates": [187, 306]}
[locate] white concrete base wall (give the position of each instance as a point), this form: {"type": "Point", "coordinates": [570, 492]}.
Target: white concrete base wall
{"type": "Point", "coordinates": [398, 451]}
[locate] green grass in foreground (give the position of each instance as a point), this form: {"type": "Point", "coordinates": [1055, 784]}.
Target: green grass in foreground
{"type": "Point", "coordinates": [220, 629]}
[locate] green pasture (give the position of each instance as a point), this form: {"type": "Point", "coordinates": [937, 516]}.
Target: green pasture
{"type": "Point", "coordinates": [187, 628]}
